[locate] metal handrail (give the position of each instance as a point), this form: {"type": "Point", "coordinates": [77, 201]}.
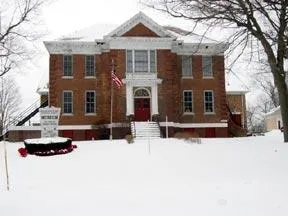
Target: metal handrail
{"type": "Point", "coordinates": [21, 116]}
{"type": "Point", "coordinates": [134, 128]}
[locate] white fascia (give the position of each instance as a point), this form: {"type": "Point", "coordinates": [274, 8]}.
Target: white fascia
{"type": "Point", "coordinates": [214, 49]}
{"type": "Point", "coordinates": [194, 125]}
{"type": "Point", "coordinates": [74, 47]}
{"type": "Point", "coordinates": [143, 43]}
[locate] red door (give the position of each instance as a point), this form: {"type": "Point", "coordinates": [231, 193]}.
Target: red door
{"type": "Point", "coordinates": [237, 119]}
{"type": "Point", "coordinates": [142, 109]}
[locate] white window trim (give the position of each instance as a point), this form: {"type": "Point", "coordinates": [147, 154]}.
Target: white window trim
{"type": "Point", "coordinates": [94, 113]}
{"type": "Point", "coordinates": [133, 61]}
{"type": "Point", "coordinates": [213, 101]}
{"type": "Point", "coordinates": [187, 77]}
{"type": "Point", "coordinates": [65, 76]}
{"type": "Point", "coordinates": [183, 104]}
{"type": "Point", "coordinates": [94, 69]}
{"type": "Point", "coordinates": [211, 66]}
{"type": "Point", "coordinates": [90, 77]}
{"type": "Point", "coordinates": [67, 114]}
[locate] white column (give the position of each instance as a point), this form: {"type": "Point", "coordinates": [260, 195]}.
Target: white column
{"type": "Point", "coordinates": [129, 100]}
{"type": "Point", "coordinates": [155, 99]}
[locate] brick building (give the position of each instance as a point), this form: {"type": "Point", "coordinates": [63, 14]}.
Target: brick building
{"type": "Point", "coordinates": [169, 76]}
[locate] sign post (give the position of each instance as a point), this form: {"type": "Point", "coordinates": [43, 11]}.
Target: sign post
{"type": "Point", "coordinates": [49, 118]}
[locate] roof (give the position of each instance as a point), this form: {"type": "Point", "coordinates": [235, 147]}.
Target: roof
{"type": "Point", "coordinates": [91, 33]}
{"type": "Point", "coordinates": [273, 111]}
{"type": "Point", "coordinates": [98, 32]}
{"type": "Point", "coordinates": [188, 36]}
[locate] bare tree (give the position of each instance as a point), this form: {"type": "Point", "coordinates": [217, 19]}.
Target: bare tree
{"type": "Point", "coordinates": [260, 25]}
{"type": "Point", "coordinates": [10, 100]}
{"type": "Point", "coordinates": [255, 119]}
{"type": "Point", "coordinates": [18, 24]}
{"type": "Point", "coordinates": [263, 81]}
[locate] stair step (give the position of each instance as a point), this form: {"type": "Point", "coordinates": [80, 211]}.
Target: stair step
{"type": "Point", "coordinates": [146, 130]}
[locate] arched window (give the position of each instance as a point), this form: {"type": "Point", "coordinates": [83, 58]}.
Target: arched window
{"type": "Point", "coordinates": [141, 93]}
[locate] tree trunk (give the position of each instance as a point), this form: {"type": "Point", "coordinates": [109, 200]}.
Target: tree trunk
{"type": "Point", "coordinates": [283, 99]}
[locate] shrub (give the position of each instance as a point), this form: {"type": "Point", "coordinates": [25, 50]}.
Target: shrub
{"type": "Point", "coordinates": [188, 136]}
{"type": "Point", "coordinates": [129, 138]}
{"type": "Point", "coordinates": [23, 152]}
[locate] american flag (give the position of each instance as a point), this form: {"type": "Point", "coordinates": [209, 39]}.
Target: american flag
{"type": "Point", "coordinates": [116, 80]}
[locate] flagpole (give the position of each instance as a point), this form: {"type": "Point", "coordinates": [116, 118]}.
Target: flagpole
{"type": "Point", "coordinates": [111, 108]}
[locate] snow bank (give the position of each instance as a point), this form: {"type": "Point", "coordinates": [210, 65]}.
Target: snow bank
{"type": "Point", "coordinates": [235, 176]}
{"type": "Point", "coordinates": [46, 140]}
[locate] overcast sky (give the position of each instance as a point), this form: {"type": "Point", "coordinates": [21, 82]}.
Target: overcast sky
{"type": "Point", "coordinates": [65, 16]}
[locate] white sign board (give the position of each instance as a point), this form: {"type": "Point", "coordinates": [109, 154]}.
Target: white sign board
{"type": "Point", "coordinates": [49, 118]}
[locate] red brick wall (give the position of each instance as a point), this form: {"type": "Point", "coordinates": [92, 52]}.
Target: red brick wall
{"type": "Point", "coordinates": [219, 132]}
{"type": "Point", "coordinates": [16, 136]}
{"type": "Point", "coordinates": [101, 84]}
{"type": "Point", "coordinates": [140, 30]}
{"type": "Point", "coordinates": [237, 103]}
{"type": "Point", "coordinates": [172, 87]}
{"type": "Point", "coordinates": [170, 92]}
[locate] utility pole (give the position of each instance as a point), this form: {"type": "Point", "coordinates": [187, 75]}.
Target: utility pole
{"type": "Point", "coordinates": [2, 114]}
{"type": "Point", "coordinates": [111, 108]}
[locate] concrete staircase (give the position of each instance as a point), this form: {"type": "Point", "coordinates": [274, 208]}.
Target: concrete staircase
{"type": "Point", "coordinates": [144, 130]}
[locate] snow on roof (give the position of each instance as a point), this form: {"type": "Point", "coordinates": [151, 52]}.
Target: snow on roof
{"type": "Point", "coordinates": [98, 31]}
{"type": "Point", "coordinates": [92, 33]}
{"type": "Point", "coordinates": [274, 110]}
{"type": "Point", "coordinates": [188, 36]}
{"type": "Point", "coordinates": [43, 85]}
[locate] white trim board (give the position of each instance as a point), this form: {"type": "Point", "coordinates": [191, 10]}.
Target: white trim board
{"type": "Point", "coordinates": [66, 127]}
{"type": "Point", "coordinates": [119, 125]}
{"type": "Point", "coordinates": [194, 125]}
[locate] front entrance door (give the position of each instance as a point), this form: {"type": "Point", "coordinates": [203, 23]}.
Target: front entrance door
{"type": "Point", "coordinates": [142, 109]}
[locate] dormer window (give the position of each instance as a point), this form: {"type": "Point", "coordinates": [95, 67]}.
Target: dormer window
{"type": "Point", "coordinates": [141, 61]}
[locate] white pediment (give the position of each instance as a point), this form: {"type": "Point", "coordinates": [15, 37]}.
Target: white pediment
{"type": "Point", "coordinates": [146, 21]}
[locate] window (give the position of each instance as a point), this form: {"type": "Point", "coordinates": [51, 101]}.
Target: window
{"type": "Point", "coordinates": [67, 65]}
{"type": "Point", "coordinates": [67, 102]}
{"type": "Point", "coordinates": [152, 61]}
{"type": "Point", "coordinates": [188, 101]}
{"type": "Point", "coordinates": [186, 66]}
{"type": "Point", "coordinates": [90, 102]}
{"type": "Point", "coordinates": [208, 102]}
{"type": "Point", "coordinates": [129, 61]}
{"type": "Point", "coordinates": [207, 66]}
{"type": "Point", "coordinates": [89, 65]}
{"type": "Point", "coordinates": [141, 61]}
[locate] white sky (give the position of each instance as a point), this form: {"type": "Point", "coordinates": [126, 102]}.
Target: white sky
{"type": "Point", "coordinates": [65, 16]}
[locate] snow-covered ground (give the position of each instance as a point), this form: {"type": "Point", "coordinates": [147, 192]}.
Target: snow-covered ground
{"type": "Point", "coordinates": [220, 177]}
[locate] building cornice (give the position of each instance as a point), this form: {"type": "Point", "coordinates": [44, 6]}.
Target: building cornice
{"type": "Point", "coordinates": [182, 48]}
{"type": "Point", "coordinates": [151, 43]}
{"type": "Point", "coordinates": [74, 47]}
{"type": "Point", "coordinates": [139, 43]}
